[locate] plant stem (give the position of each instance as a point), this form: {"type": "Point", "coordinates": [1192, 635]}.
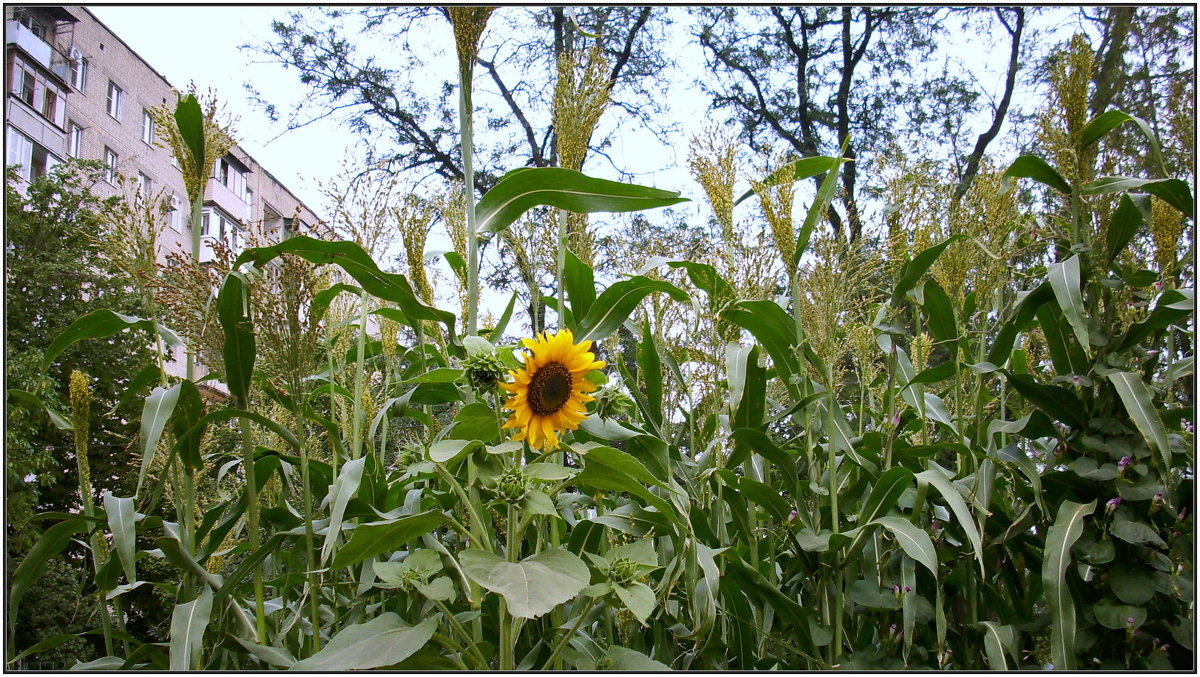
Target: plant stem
{"type": "Point", "coordinates": [570, 633]}
{"type": "Point", "coordinates": [480, 661]}
{"type": "Point", "coordinates": [561, 267]}
{"type": "Point", "coordinates": [468, 149]}
{"type": "Point", "coordinates": [356, 442]}
{"type": "Point", "coordinates": [252, 524]}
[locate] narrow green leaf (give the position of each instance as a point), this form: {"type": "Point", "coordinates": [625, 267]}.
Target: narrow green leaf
{"type": "Point", "coordinates": [1139, 403]}
{"type": "Point", "coordinates": [189, 119]}
{"type": "Point", "coordinates": [188, 622]}
{"type": "Point", "coordinates": [816, 212]}
{"type": "Point", "coordinates": [528, 187]}
{"type": "Point", "coordinates": [775, 331]}
{"type": "Point", "coordinates": [102, 324]}
{"type": "Point", "coordinates": [373, 538]}
{"type": "Point", "coordinates": [158, 409]}
{"type": "Point", "coordinates": [1033, 167]}
{"type": "Point", "coordinates": [580, 284]}
{"type": "Point", "coordinates": [502, 324]}
{"type": "Point", "coordinates": [1026, 310]}
{"type": "Point", "coordinates": [189, 410]}
{"type": "Point", "coordinates": [238, 351]}
{"type": "Point", "coordinates": [804, 168]}
{"type": "Point", "coordinates": [958, 506]}
{"type": "Point", "coordinates": [31, 568]}
{"type": "Point", "coordinates": [650, 368]}
{"type": "Point", "coordinates": [939, 316]}
{"type": "Point", "coordinates": [380, 642]}
{"type": "Point", "coordinates": [121, 522]}
{"type": "Point", "coordinates": [1064, 280]}
{"type": "Point", "coordinates": [271, 655]}
{"type": "Point", "coordinates": [751, 440]}
{"type": "Point", "coordinates": [747, 386]}
{"type": "Point", "coordinates": [913, 540]}
{"type": "Point", "coordinates": [1172, 191]}
{"type": "Point", "coordinates": [1061, 404]}
{"type": "Point", "coordinates": [35, 403]}
{"type": "Point", "coordinates": [997, 639]}
{"type": "Point", "coordinates": [358, 264]}
{"type": "Point", "coordinates": [883, 497]}
{"type": "Point", "coordinates": [344, 487]}
{"type": "Point", "coordinates": [616, 303]}
{"type": "Point", "coordinates": [1067, 528]}
{"type": "Point", "coordinates": [705, 277]}
{"type": "Point", "coordinates": [1124, 224]}
{"type": "Point", "coordinates": [44, 645]}
{"type": "Point", "coordinates": [914, 270]}
{"type": "Point", "coordinates": [1108, 120]}
{"type": "Point", "coordinates": [322, 300]}
{"type": "Point", "coordinates": [1171, 307]}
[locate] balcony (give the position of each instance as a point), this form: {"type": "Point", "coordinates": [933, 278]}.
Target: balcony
{"type": "Point", "coordinates": [16, 33]}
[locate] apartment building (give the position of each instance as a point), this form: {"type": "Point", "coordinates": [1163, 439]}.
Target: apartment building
{"type": "Point", "coordinates": [75, 89]}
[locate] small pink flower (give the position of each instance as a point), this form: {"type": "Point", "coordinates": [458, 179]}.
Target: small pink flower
{"type": "Point", "coordinates": [1112, 504]}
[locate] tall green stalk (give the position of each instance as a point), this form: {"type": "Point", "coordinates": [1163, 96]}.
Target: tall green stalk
{"type": "Point", "coordinates": [468, 150]}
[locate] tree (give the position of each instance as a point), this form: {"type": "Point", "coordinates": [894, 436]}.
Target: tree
{"type": "Point", "coordinates": [54, 274]}
{"type": "Point", "coordinates": [818, 78]}
{"type": "Point", "coordinates": [517, 69]}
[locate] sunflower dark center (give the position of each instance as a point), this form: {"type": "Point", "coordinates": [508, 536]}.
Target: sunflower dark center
{"type": "Point", "coordinates": [549, 389]}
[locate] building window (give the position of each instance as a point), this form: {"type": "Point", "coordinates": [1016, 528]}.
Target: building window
{"type": "Point", "coordinates": [26, 85]}
{"type": "Point", "coordinates": [74, 139]}
{"type": "Point", "coordinates": [175, 214]}
{"type": "Point", "coordinates": [147, 128]}
{"type": "Point", "coordinates": [78, 75]}
{"type": "Point", "coordinates": [32, 158]}
{"type": "Point", "coordinates": [36, 27]}
{"type": "Point", "coordinates": [110, 166]}
{"type": "Point", "coordinates": [37, 90]}
{"type": "Point", "coordinates": [216, 224]}
{"type": "Point", "coordinates": [114, 100]}
{"type": "Point", "coordinates": [145, 185]}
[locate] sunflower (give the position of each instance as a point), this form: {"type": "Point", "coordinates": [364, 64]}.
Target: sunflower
{"type": "Point", "coordinates": [548, 395]}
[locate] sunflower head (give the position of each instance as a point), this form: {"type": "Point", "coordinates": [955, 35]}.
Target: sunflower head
{"type": "Point", "coordinates": [550, 393]}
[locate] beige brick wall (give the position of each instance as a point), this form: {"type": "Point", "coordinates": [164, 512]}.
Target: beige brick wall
{"type": "Point", "coordinates": [109, 59]}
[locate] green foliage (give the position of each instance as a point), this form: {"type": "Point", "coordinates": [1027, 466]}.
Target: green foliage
{"type": "Point", "coordinates": [923, 479]}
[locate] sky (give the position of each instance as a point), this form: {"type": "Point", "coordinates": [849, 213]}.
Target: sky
{"type": "Point", "coordinates": [203, 44]}
{"type": "Point", "coordinates": [211, 58]}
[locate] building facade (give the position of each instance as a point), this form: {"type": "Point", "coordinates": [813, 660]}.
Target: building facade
{"type": "Point", "coordinates": [75, 89]}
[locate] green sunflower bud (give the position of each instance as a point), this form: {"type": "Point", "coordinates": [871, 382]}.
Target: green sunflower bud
{"type": "Point", "coordinates": [484, 371]}
{"type": "Point", "coordinates": [611, 401]}
{"type": "Point", "coordinates": [512, 485]}
{"type": "Point", "coordinates": [623, 571]}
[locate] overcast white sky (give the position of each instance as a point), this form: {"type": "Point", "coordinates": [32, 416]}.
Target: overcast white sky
{"type": "Point", "coordinates": [200, 43]}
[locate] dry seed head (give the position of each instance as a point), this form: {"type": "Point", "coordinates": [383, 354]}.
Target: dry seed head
{"type": "Point", "coordinates": [776, 204]}
{"type": "Point", "coordinates": [711, 156]}
{"type": "Point", "coordinates": [218, 139]}
{"type": "Point", "coordinates": [468, 23]}
{"type": "Point", "coordinates": [1166, 229]}
{"type": "Point", "coordinates": [580, 99]}
{"type": "Point", "coordinates": [834, 294]}
{"type": "Point", "coordinates": [1063, 119]}
{"type": "Point", "coordinates": [80, 388]}
{"type": "Point", "coordinates": [414, 217]}
{"type": "Point", "coordinates": [920, 348]}
{"type": "Point", "coordinates": [131, 226]}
